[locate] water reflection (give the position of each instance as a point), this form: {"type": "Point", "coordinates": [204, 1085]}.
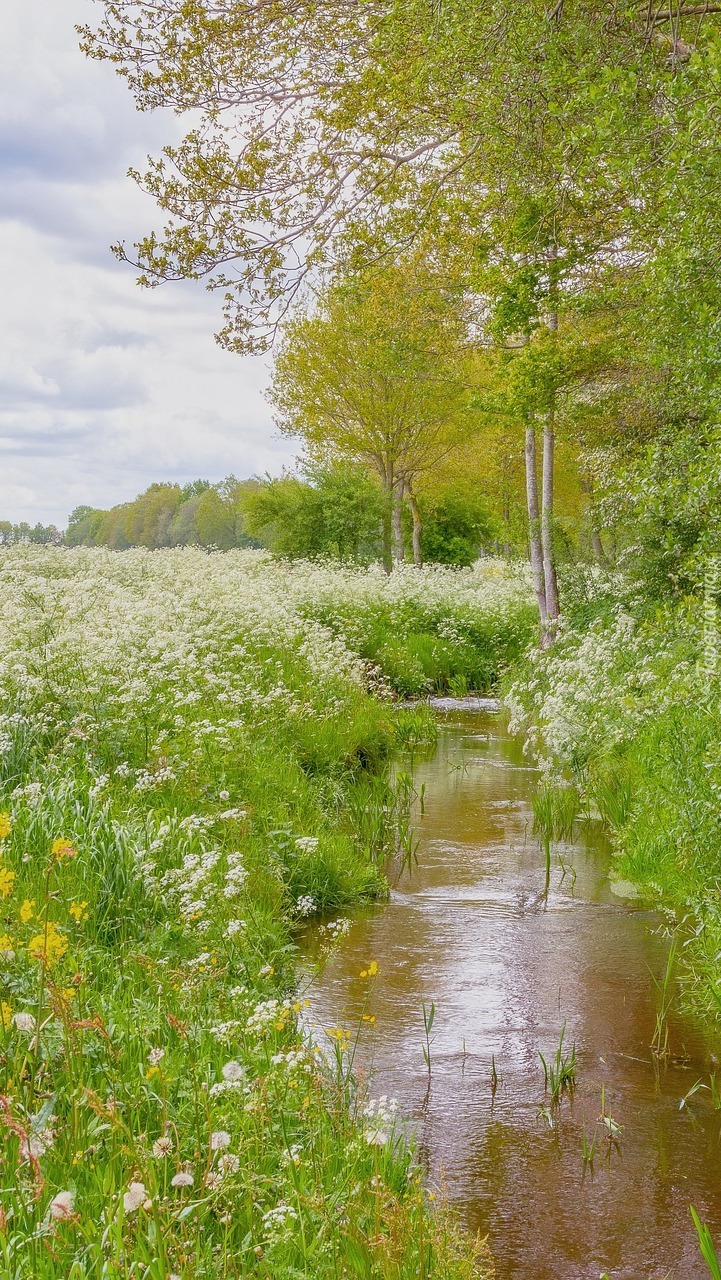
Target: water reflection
{"type": "Point", "coordinates": [471, 930]}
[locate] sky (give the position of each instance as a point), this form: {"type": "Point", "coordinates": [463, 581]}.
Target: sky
{"type": "Point", "coordinates": [104, 387]}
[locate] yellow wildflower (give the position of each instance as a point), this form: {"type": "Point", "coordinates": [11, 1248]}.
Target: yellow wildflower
{"type": "Point", "coordinates": [6, 943]}
{"type": "Point", "coordinates": [27, 910]}
{"type": "Point", "coordinates": [340, 1035]}
{"type": "Point", "coordinates": [7, 880]}
{"type": "Point", "coordinates": [50, 945]}
{"type": "Point", "coordinates": [5, 825]}
{"type": "Point", "coordinates": [6, 1015]}
{"type": "Point", "coordinates": [371, 971]}
{"type": "Point", "coordinates": [63, 848]}
{"type": "Point", "coordinates": [77, 911]}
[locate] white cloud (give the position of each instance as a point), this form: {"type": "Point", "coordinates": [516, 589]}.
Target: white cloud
{"type": "Point", "coordinates": [103, 387]}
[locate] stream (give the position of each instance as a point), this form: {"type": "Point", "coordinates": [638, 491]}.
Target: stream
{"type": "Point", "coordinates": [470, 929]}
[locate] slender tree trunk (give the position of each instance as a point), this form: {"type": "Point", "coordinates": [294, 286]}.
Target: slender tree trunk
{"type": "Point", "coordinates": [398, 549]}
{"type": "Point", "coordinates": [388, 521]}
{"type": "Point", "coordinates": [507, 526]}
{"type": "Point", "coordinates": [549, 442]}
{"type": "Point", "coordinates": [549, 567]}
{"type": "Point", "coordinates": [534, 522]}
{"type": "Point", "coordinates": [596, 544]}
{"type": "Point", "coordinates": [598, 550]}
{"type": "Point", "coordinates": [417, 558]}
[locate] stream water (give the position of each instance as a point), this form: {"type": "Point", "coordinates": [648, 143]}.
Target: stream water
{"type": "Point", "coordinates": [470, 929]}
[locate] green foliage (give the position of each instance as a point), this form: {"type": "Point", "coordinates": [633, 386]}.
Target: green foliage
{"type": "Point", "coordinates": [434, 629]}
{"type": "Point", "coordinates": [706, 1245]}
{"type": "Point", "coordinates": [337, 511]}
{"type": "Point", "coordinates": [456, 526]}
{"type": "Point", "coordinates": [38, 534]}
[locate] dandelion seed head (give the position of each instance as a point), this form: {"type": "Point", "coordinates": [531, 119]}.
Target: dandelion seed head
{"type": "Point", "coordinates": [135, 1196]}
{"type": "Point", "coordinates": [62, 1206]}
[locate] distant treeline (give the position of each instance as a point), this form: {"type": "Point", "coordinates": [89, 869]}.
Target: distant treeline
{"type": "Point", "coordinates": [168, 515]}
{"type": "Point", "coordinates": [335, 510]}
{"type": "Point", "coordinates": [23, 532]}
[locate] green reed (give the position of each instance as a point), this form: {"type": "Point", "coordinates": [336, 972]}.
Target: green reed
{"type": "Point", "coordinates": [559, 1074]}
{"type": "Point", "coordinates": [429, 1017]}
{"type": "Point", "coordinates": [706, 1245]}
{"type": "Point", "coordinates": [666, 990]}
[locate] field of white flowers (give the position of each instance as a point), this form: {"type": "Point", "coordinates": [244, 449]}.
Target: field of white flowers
{"type": "Point", "coordinates": [192, 759]}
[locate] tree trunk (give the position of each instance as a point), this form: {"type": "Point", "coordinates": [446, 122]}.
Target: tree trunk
{"type": "Point", "coordinates": [549, 441]}
{"type": "Point", "coordinates": [549, 567]}
{"type": "Point", "coordinates": [417, 558]}
{"type": "Point", "coordinates": [598, 550]}
{"type": "Point", "coordinates": [507, 526]}
{"type": "Point", "coordinates": [534, 522]}
{"type": "Point", "coordinates": [596, 544]}
{"type": "Point", "coordinates": [398, 549]}
{"type": "Point", "coordinates": [388, 522]}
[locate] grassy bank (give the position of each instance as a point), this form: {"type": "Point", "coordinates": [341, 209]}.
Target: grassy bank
{"type": "Point", "coordinates": [189, 766]}
{"type": "Point", "coordinates": [625, 715]}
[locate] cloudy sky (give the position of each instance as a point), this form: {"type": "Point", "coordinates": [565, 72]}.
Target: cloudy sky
{"type": "Point", "coordinates": [104, 387]}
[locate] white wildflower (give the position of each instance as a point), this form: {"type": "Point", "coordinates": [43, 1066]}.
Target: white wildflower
{"type": "Point", "coordinates": [135, 1195]}
{"type": "Point", "coordinates": [307, 844]}
{"type": "Point", "coordinates": [233, 1070]}
{"type": "Point", "coordinates": [379, 1120]}
{"type": "Point", "coordinates": [62, 1206]}
{"type": "Point", "coordinates": [234, 927]}
{"type": "Point", "coordinates": [219, 1140]}
{"type": "Point", "coordinates": [24, 1022]}
{"type": "Point", "coordinates": [305, 905]}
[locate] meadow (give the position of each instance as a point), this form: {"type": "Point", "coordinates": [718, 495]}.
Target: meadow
{"type": "Point", "coordinates": [194, 758]}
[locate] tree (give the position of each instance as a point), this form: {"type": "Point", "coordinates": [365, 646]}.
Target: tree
{"type": "Point", "coordinates": [336, 511]}
{"type": "Point", "coordinates": [215, 521]}
{"type": "Point", "coordinates": [374, 375]}
{"type": "Point", "coordinates": [457, 525]}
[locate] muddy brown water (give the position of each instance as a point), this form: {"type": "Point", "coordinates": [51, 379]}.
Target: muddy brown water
{"type": "Point", "coordinates": [471, 930]}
